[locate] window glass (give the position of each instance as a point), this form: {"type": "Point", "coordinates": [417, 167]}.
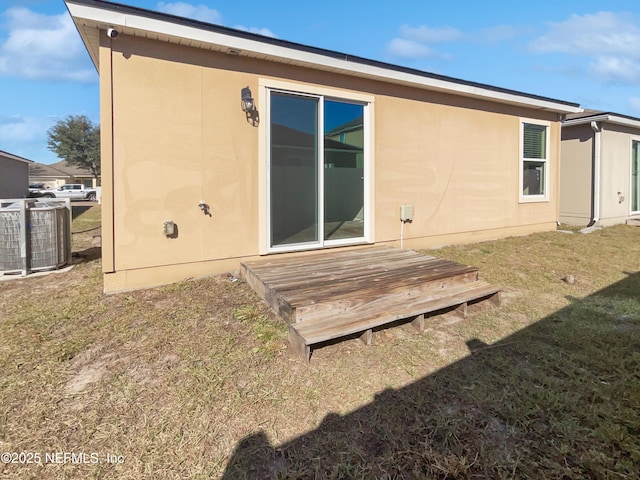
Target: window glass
{"type": "Point", "coordinates": [294, 169]}
{"type": "Point", "coordinates": [343, 170]}
{"type": "Point", "coordinates": [535, 141]}
{"type": "Point", "coordinates": [534, 160]}
{"type": "Point", "coordinates": [533, 178]}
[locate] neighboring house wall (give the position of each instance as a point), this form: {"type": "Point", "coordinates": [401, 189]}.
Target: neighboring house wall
{"type": "Point", "coordinates": [577, 177]}
{"type": "Point", "coordinates": [576, 173]}
{"type": "Point", "coordinates": [178, 125]}
{"type": "Point", "coordinates": [615, 182]}
{"type": "Point", "coordinates": [60, 173]}
{"type": "Point", "coordinates": [14, 178]}
{"type": "Point", "coordinates": [50, 182]}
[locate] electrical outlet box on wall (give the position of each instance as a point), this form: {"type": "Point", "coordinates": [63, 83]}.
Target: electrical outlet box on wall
{"type": "Point", "coordinates": [406, 213]}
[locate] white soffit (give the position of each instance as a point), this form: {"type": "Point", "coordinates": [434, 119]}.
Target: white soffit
{"type": "Point", "coordinates": [91, 19]}
{"type": "Point", "coordinates": [605, 117]}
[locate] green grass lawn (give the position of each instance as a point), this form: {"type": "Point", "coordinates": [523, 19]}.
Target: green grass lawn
{"type": "Point", "coordinates": [195, 380]}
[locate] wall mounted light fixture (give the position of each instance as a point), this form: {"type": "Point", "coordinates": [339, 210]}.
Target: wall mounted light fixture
{"type": "Point", "coordinates": [246, 101]}
{"type": "Point", "coordinates": [248, 105]}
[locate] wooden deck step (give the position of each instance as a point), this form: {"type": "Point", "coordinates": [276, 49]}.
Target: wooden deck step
{"type": "Point", "coordinates": [322, 328]}
{"type": "Point", "coordinates": [337, 293]}
{"type": "Point", "coordinates": [396, 290]}
{"type": "Point", "coordinates": [294, 287]}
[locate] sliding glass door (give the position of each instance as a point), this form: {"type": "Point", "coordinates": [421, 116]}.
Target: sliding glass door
{"type": "Point", "coordinates": [316, 171]}
{"type": "Point", "coordinates": [343, 171]}
{"type": "Point", "coordinates": [294, 169]}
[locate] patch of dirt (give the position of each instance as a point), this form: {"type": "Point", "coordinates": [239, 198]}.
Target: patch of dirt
{"type": "Point", "coordinates": [90, 371]}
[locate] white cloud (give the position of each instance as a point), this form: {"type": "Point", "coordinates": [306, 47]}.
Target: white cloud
{"type": "Point", "coordinates": [15, 130]}
{"type": "Point", "coordinates": [501, 33]}
{"type": "Point", "coordinates": [401, 47]}
{"type": "Point", "coordinates": [261, 31]}
{"type": "Point", "coordinates": [634, 104]}
{"type": "Point", "coordinates": [610, 40]}
{"type": "Point", "coordinates": [43, 47]}
{"type": "Point", "coordinates": [416, 42]}
{"type": "Point", "coordinates": [187, 10]}
{"type": "Point", "coordinates": [623, 70]}
{"type": "Point", "coordinates": [424, 34]}
{"type": "Point", "coordinates": [205, 14]}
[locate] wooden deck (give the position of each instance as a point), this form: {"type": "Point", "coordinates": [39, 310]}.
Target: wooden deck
{"type": "Point", "coordinates": [334, 294]}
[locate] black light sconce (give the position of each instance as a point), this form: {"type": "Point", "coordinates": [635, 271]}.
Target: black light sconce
{"type": "Point", "coordinates": [246, 101]}
{"type": "Point", "coordinates": [248, 105]}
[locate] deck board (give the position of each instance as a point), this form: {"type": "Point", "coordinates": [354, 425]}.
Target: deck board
{"type": "Point", "coordinates": [370, 316]}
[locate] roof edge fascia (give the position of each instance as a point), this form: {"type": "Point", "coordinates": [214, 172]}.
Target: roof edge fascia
{"type": "Point", "coordinates": [111, 15]}
{"type": "Point", "coordinates": [11, 156]}
{"type": "Point", "coordinates": [605, 118]}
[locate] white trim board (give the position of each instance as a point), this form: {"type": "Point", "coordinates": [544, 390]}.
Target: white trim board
{"type": "Point", "coordinates": [91, 16]}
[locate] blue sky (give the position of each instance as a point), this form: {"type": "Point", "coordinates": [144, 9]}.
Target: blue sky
{"type": "Point", "coordinates": [584, 51]}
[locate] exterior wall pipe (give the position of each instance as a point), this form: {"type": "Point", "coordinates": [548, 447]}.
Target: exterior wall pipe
{"type": "Point", "coordinates": [596, 173]}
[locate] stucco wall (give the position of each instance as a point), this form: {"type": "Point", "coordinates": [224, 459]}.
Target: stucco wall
{"type": "Point", "coordinates": [457, 161]}
{"type": "Point", "coordinates": [615, 194]}
{"type": "Point", "coordinates": [179, 137]}
{"type": "Point", "coordinates": [576, 172]}
{"type": "Point", "coordinates": [14, 178]}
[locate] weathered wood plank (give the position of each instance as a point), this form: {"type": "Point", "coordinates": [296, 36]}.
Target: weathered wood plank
{"type": "Point", "coordinates": [375, 283]}
{"type": "Point", "coordinates": [366, 337]}
{"type": "Point", "coordinates": [378, 296]}
{"type": "Point", "coordinates": [274, 300]}
{"type": "Point", "coordinates": [284, 264]}
{"type": "Point", "coordinates": [304, 276]}
{"type": "Point", "coordinates": [418, 322]}
{"type": "Point", "coordinates": [496, 299]}
{"type": "Point", "coordinates": [306, 280]}
{"type": "Point", "coordinates": [299, 345]}
{"type": "Point", "coordinates": [328, 328]}
{"type": "Point", "coordinates": [461, 310]}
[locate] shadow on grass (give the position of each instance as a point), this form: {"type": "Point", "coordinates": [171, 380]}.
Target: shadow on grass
{"type": "Point", "coordinates": [77, 210]}
{"type": "Point", "coordinates": [557, 400]}
{"type": "Point", "coordinates": [87, 255]}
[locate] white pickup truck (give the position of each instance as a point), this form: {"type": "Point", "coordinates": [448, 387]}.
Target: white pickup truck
{"type": "Point", "coordinates": [73, 191]}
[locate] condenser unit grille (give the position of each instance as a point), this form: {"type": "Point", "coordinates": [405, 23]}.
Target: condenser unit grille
{"type": "Point", "coordinates": [34, 235]}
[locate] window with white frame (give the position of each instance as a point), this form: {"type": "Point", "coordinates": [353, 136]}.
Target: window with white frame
{"type": "Point", "coordinates": [534, 163]}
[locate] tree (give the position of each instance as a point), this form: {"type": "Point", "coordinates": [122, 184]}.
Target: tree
{"type": "Point", "coordinates": [76, 139]}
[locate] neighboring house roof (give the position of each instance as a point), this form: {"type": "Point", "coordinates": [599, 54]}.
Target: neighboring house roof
{"type": "Point", "coordinates": [72, 170]}
{"type": "Point", "coordinates": [355, 124]}
{"type": "Point", "coordinates": [57, 170]}
{"type": "Point", "coordinates": [589, 116]}
{"type": "Point", "coordinates": [14, 157]}
{"type": "Point", "coordinates": [91, 16]}
{"type": "Point", "coordinates": [289, 137]}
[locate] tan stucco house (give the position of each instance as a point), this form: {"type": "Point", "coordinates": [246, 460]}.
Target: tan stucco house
{"type": "Point", "coordinates": [60, 173]}
{"type": "Point", "coordinates": [599, 170]}
{"type": "Point", "coordinates": [219, 145]}
{"type": "Point", "coordinates": [14, 175]}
